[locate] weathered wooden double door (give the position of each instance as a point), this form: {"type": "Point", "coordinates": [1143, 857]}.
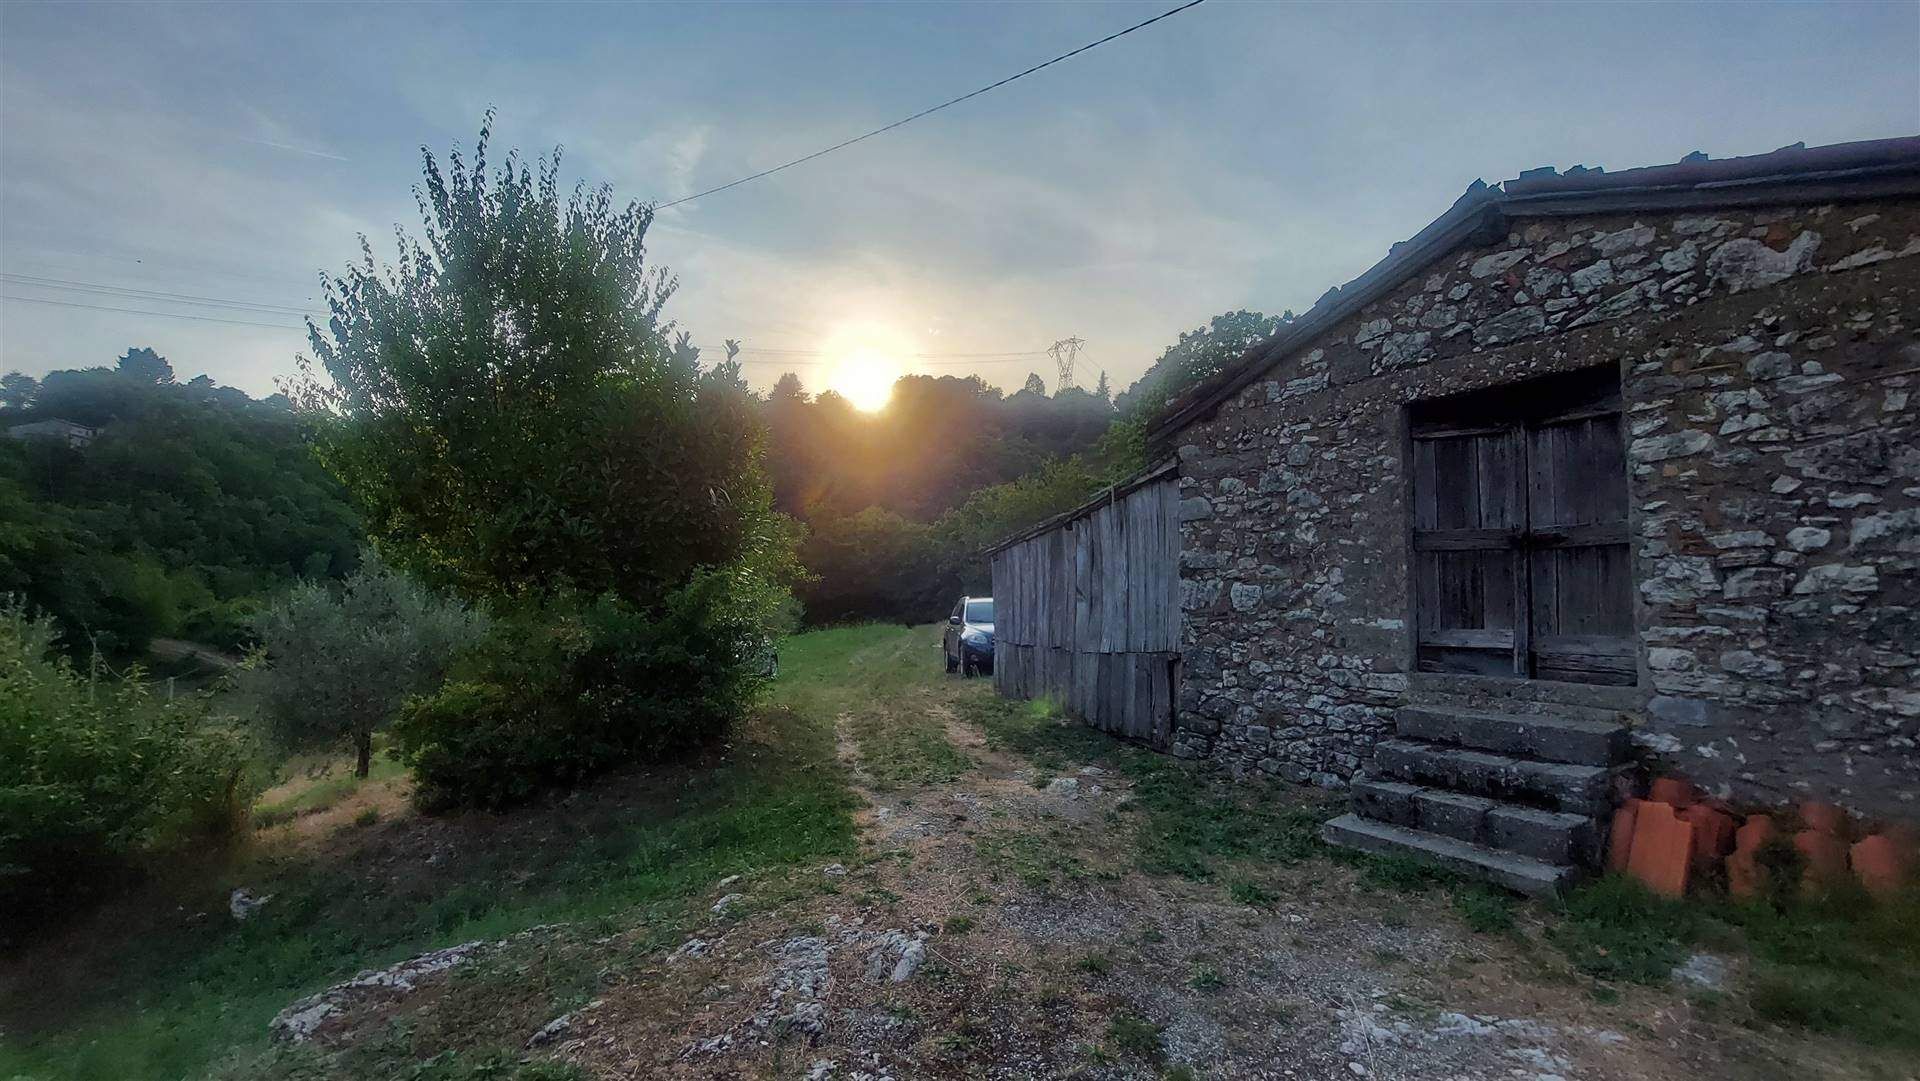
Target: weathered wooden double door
{"type": "Point", "coordinates": [1521, 562]}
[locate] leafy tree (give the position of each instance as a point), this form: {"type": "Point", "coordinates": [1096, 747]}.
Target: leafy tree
{"type": "Point", "coordinates": [17, 390]}
{"type": "Point", "coordinates": [518, 421]}
{"type": "Point", "coordinates": [335, 666]}
{"type": "Point", "coordinates": [788, 389]}
{"type": "Point", "coordinates": [142, 364]}
{"type": "Point", "coordinates": [1102, 389]}
{"type": "Point", "coordinates": [508, 411]}
{"type": "Point", "coordinates": [1034, 385]}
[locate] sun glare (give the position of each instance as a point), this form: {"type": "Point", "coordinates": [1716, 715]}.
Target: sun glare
{"type": "Point", "coordinates": [865, 378]}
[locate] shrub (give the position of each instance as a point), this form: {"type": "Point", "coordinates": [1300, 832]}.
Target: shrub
{"type": "Point", "coordinates": [98, 769]}
{"type": "Point", "coordinates": [338, 665]}
{"type": "Point", "coordinates": [570, 689]}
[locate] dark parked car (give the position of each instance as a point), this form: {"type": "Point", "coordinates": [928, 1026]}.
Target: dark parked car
{"type": "Point", "coordinates": [968, 642]}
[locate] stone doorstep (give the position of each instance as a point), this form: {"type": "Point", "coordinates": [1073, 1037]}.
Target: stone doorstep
{"type": "Point", "coordinates": [1582, 790]}
{"type": "Point", "coordinates": [1553, 739]}
{"type": "Point", "coordinates": [1554, 836]}
{"type": "Point", "coordinates": [1522, 874]}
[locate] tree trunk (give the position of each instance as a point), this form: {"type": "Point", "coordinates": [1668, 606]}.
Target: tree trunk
{"type": "Point", "coordinates": [363, 745]}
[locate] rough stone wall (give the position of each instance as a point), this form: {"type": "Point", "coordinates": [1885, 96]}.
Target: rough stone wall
{"type": "Point", "coordinates": [1771, 371]}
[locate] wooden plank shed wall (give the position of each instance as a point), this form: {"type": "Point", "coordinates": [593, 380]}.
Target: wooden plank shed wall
{"type": "Point", "coordinates": [1087, 610]}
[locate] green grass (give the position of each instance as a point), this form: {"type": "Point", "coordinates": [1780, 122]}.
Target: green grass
{"type": "Point", "coordinates": [1134, 1035]}
{"type": "Point", "coordinates": [1189, 824]}
{"type": "Point", "coordinates": [1038, 860]}
{"type": "Point", "coordinates": [640, 850]}
{"type": "Point", "coordinates": [1252, 894]}
{"type": "Point", "coordinates": [1484, 909]}
{"type": "Point", "coordinates": [900, 740]}
{"type": "Point", "coordinates": [1095, 964]}
{"type": "Point", "coordinates": [331, 785]}
{"type": "Point", "coordinates": [1841, 965]}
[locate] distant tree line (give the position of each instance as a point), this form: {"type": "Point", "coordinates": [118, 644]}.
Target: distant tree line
{"type": "Point", "coordinates": [192, 504]}
{"type": "Point", "coordinates": [900, 504]}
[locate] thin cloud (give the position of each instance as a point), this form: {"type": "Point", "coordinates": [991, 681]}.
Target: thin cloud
{"type": "Point", "coordinates": [294, 149]}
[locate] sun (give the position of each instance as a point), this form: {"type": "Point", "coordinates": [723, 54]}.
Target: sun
{"type": "Point", "coordinates": [864, 376]}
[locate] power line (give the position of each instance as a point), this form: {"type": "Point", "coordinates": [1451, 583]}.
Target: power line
{"type": "Point", "coordinates": [133, 293]}
{"type": "Point", "coordinates": [774, 352]}
{"type": "Point", "coordinates": [819, 360]}
{"type": "Point", "coordinates": [794, 358]}
{"type": "Point", "coordinates": [935, 109]}
{"type": "Point", "coordinates": [251, 276]}
{"type": "Point", "coordinates": [136, 311]}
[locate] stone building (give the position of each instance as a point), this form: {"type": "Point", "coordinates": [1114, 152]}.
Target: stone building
{"type": "Point", "coordinates": [1598, 471]}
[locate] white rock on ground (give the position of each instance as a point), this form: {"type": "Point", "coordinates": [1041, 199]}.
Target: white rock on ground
{"type": "Point", "coordinates": [1703, 970]}
{"type": "Point", "coordinates": [693, 947]}
{"type": "Point", "coordinates": [558, 1027]}
{"type": "Point", "coordinates": [299, 1020]}
{"type": "Point", "coordinates": [244, 903]}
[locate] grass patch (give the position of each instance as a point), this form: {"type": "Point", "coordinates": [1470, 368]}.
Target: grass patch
{"type": "Point", "coordinates": [1617, 929]}
{"type": "Point", "coordinates": [1206, 978]}
{"type": "Point", "coordinates": [1134, 1035]}
{"type": "Point", "coordinates": [1095, 964]}
{"type": "Point", "coordinates": [957, 925]}
{"type": "Point", "coordinates": [1188, 823]}
{"type": "Point", "coordinates": [1039, 732]}
{"type": "Point", "coordinates": [890, 673]}
{"type": "Point", "coordinates": [1397, 873]}
{"type": "Point", "coordinates": [1249, 893]}
{"type": "Point", "coordinates": [163, 997]}
{"type": "Point", "coordinates": [1037, 860]}
{"type": "Point", "coordinates": [1484, 909]}
{"type": "Point", "coordinates": [1840, 965]}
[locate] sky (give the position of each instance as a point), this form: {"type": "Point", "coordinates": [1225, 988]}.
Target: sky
{"type": "Point", "coordinates": [1238, 155]}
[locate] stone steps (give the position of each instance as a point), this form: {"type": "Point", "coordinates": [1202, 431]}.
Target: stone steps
{"type": "Point", "coordinates": [1556, 785]}
{"type": "Point", "coordinates": [1522, 874]}
{"type": "Point", "coordinates": [1550, 739]}
{"type": "Point", "coordinates": [1522, 801]}
{"type": "Point", "coordinates": [1555, 836]}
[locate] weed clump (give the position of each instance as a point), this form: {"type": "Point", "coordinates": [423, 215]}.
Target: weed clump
{"type": "Point", "coordinates": [1136, 1036]}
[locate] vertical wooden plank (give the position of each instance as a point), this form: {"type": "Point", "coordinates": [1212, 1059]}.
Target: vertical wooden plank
{"type": "Point", "coordinates": [1521, 603]}
{"type": "Point", "coordinates": [1426, 514]}
{"type": "Point", "coordinates": [1170, 567]}
{"type": "Point", "coordinates": [1140, 702]}
{"type": "Point", "coordinates": [1113, 635]}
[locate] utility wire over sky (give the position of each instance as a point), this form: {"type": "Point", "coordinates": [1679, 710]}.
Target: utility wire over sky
{"type": "Point", "coordinates": [266, 310]}
{"type": "Point", "coordinates": [928, 112]}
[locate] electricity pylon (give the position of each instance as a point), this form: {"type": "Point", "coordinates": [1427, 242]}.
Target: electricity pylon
{"type": "Point", "coordinates": [1064, 352]}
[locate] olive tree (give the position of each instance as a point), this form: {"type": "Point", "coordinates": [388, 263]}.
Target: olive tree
{"type": "Point", "coordinates": [337, 664]}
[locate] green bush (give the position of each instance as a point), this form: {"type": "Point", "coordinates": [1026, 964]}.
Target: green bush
{"type": "Point", "coordinates": [98, 769]}
{"type": "Point", "coordinates": [570, 689]}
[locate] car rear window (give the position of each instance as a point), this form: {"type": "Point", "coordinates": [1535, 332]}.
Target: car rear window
{"type": "Point", "coordinates": [980, 611]}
